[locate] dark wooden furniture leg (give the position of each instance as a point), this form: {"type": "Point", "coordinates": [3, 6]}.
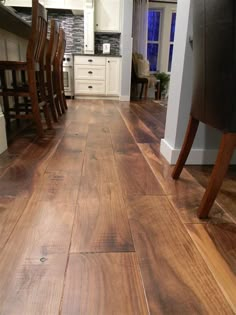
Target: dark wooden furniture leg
{"type": "Point", "coordinates": [187, 145]}
{"type": "Point", "coordinates": [146, 91]}
{"type": "Point", "coordinates": [226, 150]}
{"type": "Point", "coordinates": [141, 91]}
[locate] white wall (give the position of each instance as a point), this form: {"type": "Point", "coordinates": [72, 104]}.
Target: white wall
{"type": "Point", "coordinates": [126, 48]}
{"type": "Point", "coordinates": [205, 147]}
{"type": "Point", "coordinates": [167, 10]}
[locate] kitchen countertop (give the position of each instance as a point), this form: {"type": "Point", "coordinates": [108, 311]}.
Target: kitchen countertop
{"type": "Point", "coordinates": [97, 55]}
{"type": "Point", "coordinates": [11, 22]}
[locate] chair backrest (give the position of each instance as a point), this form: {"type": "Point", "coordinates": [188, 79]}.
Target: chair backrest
{"type": "Point", "coordinates": [37, 41]}
{"type": "Point", "coordinates": [53, 42]}
{"type": "Point", "coordinates": [61, 47]}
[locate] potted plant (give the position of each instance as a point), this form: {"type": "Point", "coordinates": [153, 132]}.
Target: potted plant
{"type": "Point", "coordinates": [164, 82]}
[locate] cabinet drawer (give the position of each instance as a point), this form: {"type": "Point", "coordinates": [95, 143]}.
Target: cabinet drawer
{"type": "Point", "coordinates": [89, 60]}
{"type": "Point", "coordinates": [89, 87]}
{"type": "Point", "coordinates": [90, 73]}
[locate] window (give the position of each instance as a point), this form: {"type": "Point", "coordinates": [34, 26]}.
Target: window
{"type": "Point", "coordinates": [172, 37]}
{"type": "Point", "coordinates": [153, 45]}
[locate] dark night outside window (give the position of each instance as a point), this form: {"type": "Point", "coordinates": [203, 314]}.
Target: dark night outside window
{"type": "Point", "coordinates": [154, 21]}
{"type": "Point", "coordinates": [172, 37]}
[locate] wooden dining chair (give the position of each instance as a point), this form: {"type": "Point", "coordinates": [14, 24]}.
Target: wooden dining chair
{"type": "Point", "coordinates": [32, 91]}
{"type": "Point", "coordinates": [214, 96]}
{"type": "Point", "coordinates": [52, 45]}
{"type": "Point", "coordinates": [58, 70]}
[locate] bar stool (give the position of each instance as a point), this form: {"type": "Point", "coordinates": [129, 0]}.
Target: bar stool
{"type": "Point", "coordinates": [52, 45]}
{"type": "Point", "coordinates": [58, 71]}
{"type": "Point", "coordinates": [33, 94]}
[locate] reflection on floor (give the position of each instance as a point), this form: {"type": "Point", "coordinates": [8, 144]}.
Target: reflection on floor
{"type": "Point", "coordinates": [92, 223]}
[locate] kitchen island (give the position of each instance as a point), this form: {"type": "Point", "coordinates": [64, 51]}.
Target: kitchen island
{"type": "Point", "coordinates": [14, 33]}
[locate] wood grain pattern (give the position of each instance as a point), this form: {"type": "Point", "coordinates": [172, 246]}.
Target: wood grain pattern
{"type": "Point", "coordinates": [216, 243]}
{"type": "Point", "coordinates": [59, 187]}
{"type": "Point", "coordinates": [111, 282]}
{"type": "Point", "coordinates": [135, 175]}
{"type": "Point", "coordinates": [76, 187]}
{"type": "Point", "coordinates": [101, 222]}
{"type": "Point", "coordinates": [176, 279]}
{"type": "Point", "coordinates": [11, 210]}
{"type": "Point", "coordinates": [226, 197]}
{"type": "Point", "coordinates": [140, 132]}
{"type": "Point", "coordinates": [184, 194]}
{"type": "Point", "coordinates": [33, 262]}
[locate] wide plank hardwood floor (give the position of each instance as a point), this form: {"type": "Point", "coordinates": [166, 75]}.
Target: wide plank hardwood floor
{"type": "Point", "coordinates": [91, 222]}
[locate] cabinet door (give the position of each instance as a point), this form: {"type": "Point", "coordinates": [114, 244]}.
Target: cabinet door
{"type": "Point", "coordinates": [18, 3]}
{"type": "Point", "coordinates": [55, 4]}
{"type": "Point", "coordinates": [74, 4]}
{"type": "Point", "coordinates": [89, 31]}
{"type": "Point", "coordinates": [113, 76]}
{"type": "Point", "coordinates": [107, 15]}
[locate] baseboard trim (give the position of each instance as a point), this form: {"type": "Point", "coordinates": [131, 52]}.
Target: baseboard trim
{"type": "Point", "coordinates": [124, 98]}
{"type": "Point", "coordinates": [3, 136]}
{"type": "Point", "coordinates": [196, 156]}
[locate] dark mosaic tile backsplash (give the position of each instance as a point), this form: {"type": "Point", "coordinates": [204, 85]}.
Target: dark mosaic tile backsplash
{"type": "Point", "coordinates": [113, 39]}
{"type": "Point", "coordinates": [74, 29]}
{"type": "Point", "coordinates": [73, 26]}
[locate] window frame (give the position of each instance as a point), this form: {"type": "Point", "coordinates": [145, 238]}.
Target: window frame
{"type": "Point", "coordinates": [171, 42]}
{"type": "Point", "coordinates": [159, 42]}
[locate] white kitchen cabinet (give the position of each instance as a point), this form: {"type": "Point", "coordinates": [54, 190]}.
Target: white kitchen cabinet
{"type": "Point", "coordinates": [97, 75]}
{"type": "Point", "coordinates": [112, 76]}
{"type": "Point", "coordinates": [89, 31]}
{"type": "Point", "coordinates": [19, 3]}
{"type": "Point", "coordinates": [54, 4]}
{"type": "Point", "coordinates": [107, 15]}
{"type": "Point", "coordinates": [75, 4]}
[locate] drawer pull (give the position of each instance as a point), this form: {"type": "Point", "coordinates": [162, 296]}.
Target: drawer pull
{"type": "Point", "coordinates": [90, 87]}
{"type": "Point", "coordinates": [90, 60]}
{"type": "Point", "coordinates": [90, 72]}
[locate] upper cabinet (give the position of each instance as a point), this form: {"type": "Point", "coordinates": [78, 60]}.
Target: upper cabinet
{"type": "Point", "coordinates": [54, 4]}
{"type": "Point", "coordinates": [51, 4]}
{"type": "Point", "coordinates": [74, 4]}
{"type": "Point", "coordinates": [107, 15]}
{"type": "Point", "coordinates": [18, 3]}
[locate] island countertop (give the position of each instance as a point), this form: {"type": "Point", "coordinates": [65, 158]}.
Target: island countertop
{"type": "Point", "coordinates": [11, 22]}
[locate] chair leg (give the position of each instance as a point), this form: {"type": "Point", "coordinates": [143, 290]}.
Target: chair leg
{"type": "Point", "coordinates": [141, 92]}
{"type": "Point", "coordinates": [46, 112]}
{"type": "Point", "coordinates": [34, 102]}
{"type": "Point", "coordinates": [226, 150]}
{"type": "Point", "coordinates": [146, 91]}
{"type": "Point", "coordinates": [187, 145]}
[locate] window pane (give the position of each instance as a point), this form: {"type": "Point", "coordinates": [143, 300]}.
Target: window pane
{"type": "Point", "coordinates": [153, 25]}
{"type": "Point", "coordinates": [170, 57]}
{"type": "Point", "coordinates": [152, 55]}
{"type": "Point", "coordinates": [172, 29]}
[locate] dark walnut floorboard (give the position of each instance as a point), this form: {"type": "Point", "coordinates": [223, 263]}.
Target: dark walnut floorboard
{"type": "Point", "coordinates": [176, 278]}
{"type": "Point", "coordinates": [101, 222]}
{"type": "Point", "coordinates": [141, 133]}
{"type": "Point", "coordinates": [103, 284]}
{"type": "Point", "coordinates": [68, 192]}
{"type": "Point", "coordinates": [217, 244]}
{"type": "Point", "coordinates": [33, 262]}
{"type": "Point", "coordinates": [226, 198]}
